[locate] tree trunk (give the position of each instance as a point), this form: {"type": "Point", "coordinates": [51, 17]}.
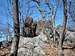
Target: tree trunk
{"type": "Point", "coordinates": [7, 29]}
{"type": "Point", "coordinates": [62, 37]}
{"type": "Point", "coordinates": [0, 25]}
{"type": "Point", "coordinates": [15, 42]}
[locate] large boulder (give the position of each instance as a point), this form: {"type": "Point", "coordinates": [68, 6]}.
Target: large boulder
{"type": "Point", "coordinates": [28, 21]}
{"type": "Point", "coordinates": [32, 46]}
{"type": "Point", "coordinates": [69, 39]}
{"type": "Point", "coordinates": [30, 27]}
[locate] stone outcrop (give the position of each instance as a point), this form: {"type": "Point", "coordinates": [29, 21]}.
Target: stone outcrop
{"type": "Point", "coordinates": [29, 27]}
{"type": "Point", "coordinates": [69, 39]}
{"type": "Point", "coordinates": [32, 46]}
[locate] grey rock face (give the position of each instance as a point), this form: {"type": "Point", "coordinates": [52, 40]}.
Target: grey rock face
{"type": "Point", "coordinates": [32, 46]}
{"type": "Point", "coordinates": [70, 36]}
{"type": "Point", "coordinates": [70, 39]}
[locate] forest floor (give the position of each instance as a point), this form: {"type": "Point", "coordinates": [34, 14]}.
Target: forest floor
{"type": "Point", "coordinates": [5, 51]}
{"type": "Point", "coordinates": [50, 51]}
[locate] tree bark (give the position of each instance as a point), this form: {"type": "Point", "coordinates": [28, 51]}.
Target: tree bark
{"type": "Point", "coordinates": [15, 42]}
{"type": "Point", "coordinates": [62, 37]}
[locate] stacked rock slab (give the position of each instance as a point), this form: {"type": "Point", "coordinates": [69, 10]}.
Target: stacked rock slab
{"type": "Point", "coordinates": [29, 27]}
{"type": "Point", "coordinates": [32, 46]}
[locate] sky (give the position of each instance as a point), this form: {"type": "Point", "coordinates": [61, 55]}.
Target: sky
{"type": "Point", "coordinates": [36, 14]}
{"type": "Point", "coordinates": [6, 5]}
{"type": "Point", "coordinates": [6, 12]}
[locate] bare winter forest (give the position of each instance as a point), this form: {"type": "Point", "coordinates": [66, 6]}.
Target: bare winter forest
{"type": "Point", "coordinates": [37, 27]}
